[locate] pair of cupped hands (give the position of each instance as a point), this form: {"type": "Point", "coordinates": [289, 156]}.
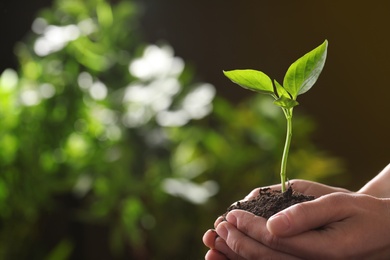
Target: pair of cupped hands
{"type": "Point", "coordinates": [338, 224]}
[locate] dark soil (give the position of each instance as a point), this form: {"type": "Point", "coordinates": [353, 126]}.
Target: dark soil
{"type": "Point", "coordinates": [269, 202]}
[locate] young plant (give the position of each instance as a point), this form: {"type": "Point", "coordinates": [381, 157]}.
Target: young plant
{"type": "Point", "coordinates": [299, 78]}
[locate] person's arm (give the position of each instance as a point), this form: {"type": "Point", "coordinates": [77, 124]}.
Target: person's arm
{"type": "Point", "coordinates": [379, 186]}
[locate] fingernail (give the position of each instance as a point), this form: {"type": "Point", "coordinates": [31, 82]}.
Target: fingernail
{"type": "Point", "coordinates": [218, 221]}
{"type": "Point", "coordinates": [278, 224]}
{"type": "Point", "coordinates": [222, 231]}
{"type": "Point", "coordinates": [214, 232]}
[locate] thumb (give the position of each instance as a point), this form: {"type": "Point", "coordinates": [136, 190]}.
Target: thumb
{"type": "Point", "coordinates": [309, 215]}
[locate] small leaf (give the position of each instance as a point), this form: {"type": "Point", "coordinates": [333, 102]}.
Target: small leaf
{"type": "Point", "coordinates": [304, 72]}
{"type": "Point", "coordinates": [282, 92]}
{"type": "Point", "coordinates": [251, 79]}
{"type": "Point", "coordinates": [286, 102]}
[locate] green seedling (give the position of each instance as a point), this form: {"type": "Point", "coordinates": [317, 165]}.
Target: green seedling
{"type": "Point", "coordinates": [299, 78]}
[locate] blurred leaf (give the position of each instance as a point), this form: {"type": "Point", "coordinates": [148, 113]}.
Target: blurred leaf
{"type": "Point", "coordinates": [8, 146]}
{"type": "Point", "coordinates": [62, 251]}
{"type": "Point", "coordinates": [104, 14]}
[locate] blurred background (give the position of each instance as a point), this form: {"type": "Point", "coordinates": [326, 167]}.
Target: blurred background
{"type": "Point", "coordinates": [120, 138]}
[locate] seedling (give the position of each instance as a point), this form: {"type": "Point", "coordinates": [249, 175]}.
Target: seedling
{"type": "Point", "coordinates": [299, 78]}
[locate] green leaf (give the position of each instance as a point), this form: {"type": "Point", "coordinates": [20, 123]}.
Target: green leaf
{"type": "Point", "coordinates": [251, 79]}
{"type": "Point", "coordinates": [282, 92]}
{"type": "Point", "coordinates": [304, 72]}
{"type": "Point", "coordinates": [286, 102]}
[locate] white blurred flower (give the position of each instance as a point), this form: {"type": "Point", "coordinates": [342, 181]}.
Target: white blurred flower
{"type": "Point", "coordinates": [153, 95]}
{"type": "Point", "coordinates": [54, 38]}
{"type": "Point", "coordinates": [172, 118]}
{"type": "Point", "coordinates": [31, 94]}
{"type": "Point", "coordinates": [9, 79]}
{"type": "Point", "coordinates": [191, 191]}
{"type": "Point", "coordinates": [96, 89]}
{"type": "Point", "coordinates": [145, 101]}
{"type": "Point", "coordinates": [85, 80]}
{"type": "Point", "coordinates": [30, 97]}
{"type": "Point", "coordinates": [47, 90]}
{"type": "Point", "coordinates": [136, 116]}
{"type": "Point", "coordinates": [156, 62]}
{"type": "Point", "coordinates": [158, 95]}
{"type": "Point", "coordinates": [197, 103]}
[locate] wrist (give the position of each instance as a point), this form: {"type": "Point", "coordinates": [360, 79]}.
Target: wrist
{"type": "Point", "coordinates": [379, 186]}
{"type": "Point", "coordinates": [375, 190]}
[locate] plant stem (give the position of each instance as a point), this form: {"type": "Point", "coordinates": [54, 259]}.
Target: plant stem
{"type": "Point", "coordinates": [288, 114]}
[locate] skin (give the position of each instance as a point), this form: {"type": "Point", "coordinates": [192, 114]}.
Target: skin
{"type": "Point", "coordinates": [338, 225]}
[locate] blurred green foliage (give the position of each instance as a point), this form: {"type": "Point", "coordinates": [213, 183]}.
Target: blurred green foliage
{"type": "Point", "coordinates": [110, 150]}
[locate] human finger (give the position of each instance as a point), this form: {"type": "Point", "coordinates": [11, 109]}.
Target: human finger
{"type": "Point", "coordinates": [309, 215]}
{"type": "Point", "coordinates": [213, 254]}
{"type": "Point", "coordinates": [222, 247]}
{"type": "Point", "coordinates": [209, 238]}
{"type": "Point", "coordinates": [218, 248]}
{"type": "Point", "coordinates": [350, 224]}
{"type": "Point", "coordinates": [245, 246]}
{"type": "Point", "coordinates": [218, 220]}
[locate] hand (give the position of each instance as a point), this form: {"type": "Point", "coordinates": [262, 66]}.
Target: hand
{"type": "Point", "coordinates": [218, 247]}
{"type": "Point", "coordinates": [353, 226]}
{"type": "Point", "coordinates": [220, 250]}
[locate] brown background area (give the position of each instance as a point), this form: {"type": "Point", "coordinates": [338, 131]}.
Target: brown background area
{"type": "Point", "coordinates": [350, 102]}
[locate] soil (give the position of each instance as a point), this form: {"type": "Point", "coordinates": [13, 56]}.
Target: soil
{"type": "Point", "coordinates": [269, 202]}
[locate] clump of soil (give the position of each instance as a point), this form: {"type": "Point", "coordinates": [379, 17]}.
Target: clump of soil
{"type": "Point", "coordinates": [269, 202]}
